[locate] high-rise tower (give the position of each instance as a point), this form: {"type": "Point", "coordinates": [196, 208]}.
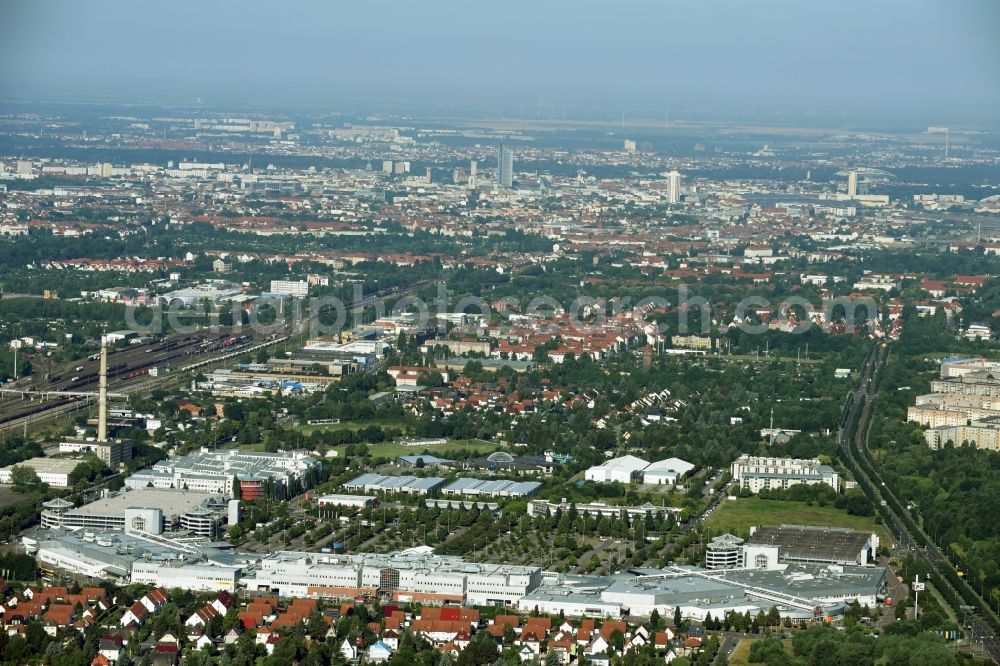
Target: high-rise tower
{"type": "Point", "coordinates": [673, 187]}
{"type": "Point", "coordinates": [505, 166]}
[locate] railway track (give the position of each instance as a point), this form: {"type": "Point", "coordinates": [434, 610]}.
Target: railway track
{"type": "Point", "coordinates": [127, 373]}
{"type": "Point", "coordinates": [128, 368]}
{"type": "Point", "coordinates": [982, 629]}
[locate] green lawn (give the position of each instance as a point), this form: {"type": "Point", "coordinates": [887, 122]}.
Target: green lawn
{"type": "Point", "coordinates": [352, 425]}
{"type": "Point", "coordinates": [741, 655]}
{"type": "Point", "coordinates": [394, 449]}
{"type": "Point", "coordinates": [737, 516]}
{"type": "Point", "coordinates": [9, 498]}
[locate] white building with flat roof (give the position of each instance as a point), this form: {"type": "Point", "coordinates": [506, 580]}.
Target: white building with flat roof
{"type": "Point", "coordinates": [297, 288]}
{"type": "Point", "coordinates": [214, 471]}
{"type": "Point", "coordinates": [403, 577]}
{"type": "Point", "coordinates": [600, 509]}
{"type": "Point", "coordinates": [147, 510]}
{"type": "Point", "coordinates": [53, 471]}
{"type": "Point", "coordinates": [137, 558]}
{"type": "Point", "coordinates": [757, 473]}
{"type": "Point", "coordinates": [796, 590]}
{"type": "Point", "coordinates": [186, 576]}
{"type": "Point", "coordinates": [410, 485]}
{"type": "Point", "coordinates": [352, 501]}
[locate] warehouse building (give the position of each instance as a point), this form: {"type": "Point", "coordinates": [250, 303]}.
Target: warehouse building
{"type": "Point", "coordinates": [666, 472]}
{"type": "Point", "coordinates": [53, 471]}
{"type": "Point", "coordinates": [359, 352]}
{"type": "Point", "coordinates": [625, 469]}
{"type": "Point", "coordinates": [350, 501]}
{"type": "Point", "coordinates": [401, 577]}
{"type": "Point", "coordinates": [409, 485]}
{"type": "Point", "coordinates": [573, 595]}
{"type": "Point", "coordinates": [424, 460]}
{"type": "Point", "coordinates": [462, 505]}
{"type": "Point", "coordinates": [492, 488]}
{"type": "Point", "coordinates": [629, 469]}
{"type": "Point", "coordinates": [96, 554]}
{"type": "Point", "coordinates": [214, 471]}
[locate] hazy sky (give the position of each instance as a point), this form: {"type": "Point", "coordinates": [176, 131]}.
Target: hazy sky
{"type": "Point", "coordinates": [937, 59]}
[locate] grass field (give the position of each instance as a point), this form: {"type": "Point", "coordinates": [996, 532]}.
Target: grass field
{"type": "Point", "coordinates": [394, 449]}
{"type": "Point", "coordinates": [737, 516]}
{"type": "Point", "coordinates": [352, 425]}
{"type": "Point", "coordinates": [9, 498]}
{"type": "Point", "coordinates": [741, 655]}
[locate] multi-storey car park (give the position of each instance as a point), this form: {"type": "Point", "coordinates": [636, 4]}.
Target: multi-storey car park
{"type": "Point", "coordinates": [147, 511]}
{"type": "Point", "coordinates": [769, 545]}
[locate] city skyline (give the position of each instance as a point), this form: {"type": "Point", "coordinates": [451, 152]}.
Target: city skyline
{"type": "Point", "coordinates": [449, 333]}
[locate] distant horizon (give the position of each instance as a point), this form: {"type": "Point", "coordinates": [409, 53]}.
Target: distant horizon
{"type": "Point", "coordinates": [576, 116]}
{"type": "Point", "coordinates": [926, 62]}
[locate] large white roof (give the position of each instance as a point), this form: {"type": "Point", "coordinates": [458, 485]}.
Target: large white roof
{"type": "Point", "coordinates": [628, 463]}
{"type": "Point", "coordinates": [676, 465]}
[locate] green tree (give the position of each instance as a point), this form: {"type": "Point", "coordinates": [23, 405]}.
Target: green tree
{"type": "Point", "coordinates": [24, 478]}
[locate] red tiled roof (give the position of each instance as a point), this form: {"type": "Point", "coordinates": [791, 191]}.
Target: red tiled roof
{"type": "Point", "coordinates": [60, 613]}
{"type": "Point", "coordinates": [610, 626]}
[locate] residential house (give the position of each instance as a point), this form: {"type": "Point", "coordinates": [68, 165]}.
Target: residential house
{"type": "Point", "coordinates": [379, 652]}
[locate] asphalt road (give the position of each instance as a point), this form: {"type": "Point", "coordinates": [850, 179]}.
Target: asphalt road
{"type": "Point", "coordinates": [853, 443]}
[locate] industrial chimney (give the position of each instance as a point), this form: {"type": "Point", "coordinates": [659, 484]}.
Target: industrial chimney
{"type": "Point", "coordinates": [102, 395]}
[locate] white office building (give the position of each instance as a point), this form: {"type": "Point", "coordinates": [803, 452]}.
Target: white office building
{"type": "Point", "coordinates": [214, 471]}
{"type": "Point", "coordinates": [757, 473]}
{"type": "Point", "coordinates": [673, 187]}
{"type": "Point", "coordinates": [297, 288]}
